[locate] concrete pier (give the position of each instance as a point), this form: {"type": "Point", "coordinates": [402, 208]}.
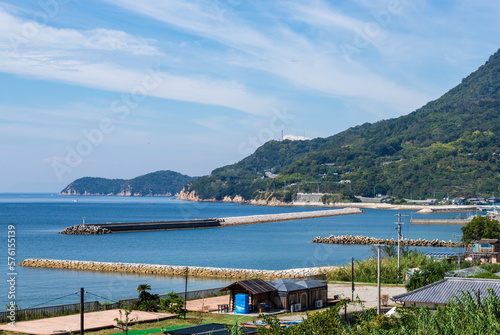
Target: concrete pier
{"type": "Point", "coordinates": [252, 219]}
{"type": "Point", "coordinates": [450, 222]}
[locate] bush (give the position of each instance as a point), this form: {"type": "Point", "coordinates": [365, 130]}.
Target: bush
{"type": "Point", "coordinates": [172, 303]}
{"type": "Point", "coordinates": [491, 267]}
{"type": "Point", "coordinates": [486, 275]}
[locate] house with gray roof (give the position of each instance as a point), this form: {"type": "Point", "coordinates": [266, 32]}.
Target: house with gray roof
{"type": "Point", "coordinates": [441, 292]}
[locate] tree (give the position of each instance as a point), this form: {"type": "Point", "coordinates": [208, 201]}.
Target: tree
{"type": "Point", "coordinates": [480, 227]}
{"type": "Point", "coordinates": [143, 294]}
{"type": "Point", "coordinates": [172, 303]}
{"type": "Point", "coordinates": [124, 320]}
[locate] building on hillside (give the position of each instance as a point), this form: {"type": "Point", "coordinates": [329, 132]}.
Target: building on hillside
{"type": "Point", "coordinates": [441, 292]}
{"type": "Point", "coordinates": [257, 295]}
{"type": "Point", "coordinates": [484, 251]}
{"type": "Point", "coordinates": [493, 200]}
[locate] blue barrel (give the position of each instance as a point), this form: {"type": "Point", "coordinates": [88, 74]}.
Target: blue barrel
{"type": "Point", "coordinates": [241, 304]}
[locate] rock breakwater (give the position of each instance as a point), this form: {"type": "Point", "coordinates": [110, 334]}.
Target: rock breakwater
{"type": "Point", "coordinates": [84, 229]}
{"type": "Point", "coordinates": [172, 270]}
{"type": "Point", "coordinates": [358, 239]}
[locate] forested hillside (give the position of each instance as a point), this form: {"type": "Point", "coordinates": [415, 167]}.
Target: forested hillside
{"type": "Point", "coordinates": [156, 183]}
{"type": "Point", "coordinates": [450, 146]}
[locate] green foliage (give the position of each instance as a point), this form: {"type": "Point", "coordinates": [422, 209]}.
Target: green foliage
{"type": "Point", "coordinates": [344, 196]}
{"type": "Point", "coordinates": [450, 146]}
{"type": "Point", "coordinates": [491, 267]}
{"type": "Point", "coordinates": [156, 183]}
{"type": "Point", "coordinates": [430, 272]}
{"type": "Point", "coordinates": [172, 303]}
{"type": "Point", "coordinates": [124, 321]}
{"type": "Point", "coordinates": [480, 227]}
{"type": "Point", "coordinates": [486, 275]}
{"type": "Point", "coordinates": [148, 305]}
{"type": "Point", "coordinates": [462, 316]}
{"type": "Point", "coordinates": [147, 301]}
{"type": "Point", "coordinates": [365, 271]}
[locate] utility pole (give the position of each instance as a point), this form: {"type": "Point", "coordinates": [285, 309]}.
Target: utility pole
{"type": "Point", "coordinates": [352, 278]}
{"type": "Point", "coordinates": [82, 310]}
{"type": "Point", "coordinates": [400, 237]}
{"type": "Point", "coordinates": [185, 292]}
{"type": "Point", "coordinates": [378, 277]}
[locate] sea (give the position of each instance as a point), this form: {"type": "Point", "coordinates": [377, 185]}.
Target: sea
{"type": "Point", "coordinates": [37, 219]}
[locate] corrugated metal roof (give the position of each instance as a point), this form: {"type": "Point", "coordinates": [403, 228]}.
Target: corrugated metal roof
{"type": "Point", "coordinates": [254, 286]}
{"type": "Point", "coordinates": [289, 285]}
{"type": "Point", "coordinates": [444, 290]}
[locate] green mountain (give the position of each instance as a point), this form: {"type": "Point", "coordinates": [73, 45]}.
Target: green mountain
{"type": "Point", "coordinates": [151, 184]}
{"type": "Point", "coordinates": [450, 146]}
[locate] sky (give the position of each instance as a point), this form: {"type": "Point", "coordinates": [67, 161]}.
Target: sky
{"type": "Point", "coordinates": [121, 88]}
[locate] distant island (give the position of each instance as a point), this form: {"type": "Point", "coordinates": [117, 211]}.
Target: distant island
{"type": "Point", "coordinates": [160, 183]}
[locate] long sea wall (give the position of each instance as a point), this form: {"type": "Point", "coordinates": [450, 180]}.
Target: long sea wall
{"type": "Point", "coordinates": [251, 219]}
{"type": "Point", "coordinates": [173, 270]}
{"type": "Point", "coordinates": [358, 239]}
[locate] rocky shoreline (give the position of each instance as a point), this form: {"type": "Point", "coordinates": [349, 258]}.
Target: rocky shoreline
{"type": "Point", "coordinates": [172, 270]}
{"type": "Point", "coordinates": [363, 240]}
{"type": "Point", "coordinates": [192, 196]}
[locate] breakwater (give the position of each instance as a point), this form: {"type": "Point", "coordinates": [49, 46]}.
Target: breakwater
{"type": "Point", "coordinates": [173, 270]}
{"type": "Point", "coordinates": [106, 228]}
{"type": "Point", "coordinates": [358, 239]}
{"type": "Point", "coordinates": [252, 219]}
{"type": "Point", "coordinates": [453, 222]}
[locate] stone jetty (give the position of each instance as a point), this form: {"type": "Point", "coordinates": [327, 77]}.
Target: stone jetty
{"type": "Point", "coordinates": [172, 270]}
{"type": "Point", "coordinates": [252, 219]}
{"type": "Point", "coordinates": [350, 239]}
{"type": "Point", "coordinates": [105, 228]}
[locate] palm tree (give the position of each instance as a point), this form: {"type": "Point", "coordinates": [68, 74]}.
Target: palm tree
{"type": "Point", "coordinates": [143, 295]}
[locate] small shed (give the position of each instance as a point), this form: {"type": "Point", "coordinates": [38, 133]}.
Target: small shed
{"type": "Point", "coordinates": [258, 292]}
{"type": "Point", "coordinates": [291, 294]}
{"type": "Point", "coordinates": [297, 295]}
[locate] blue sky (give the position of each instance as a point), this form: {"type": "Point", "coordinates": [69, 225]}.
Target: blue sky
{"type": "Point", "coordinates": [120, 88]}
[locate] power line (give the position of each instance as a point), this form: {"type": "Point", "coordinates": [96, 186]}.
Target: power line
{"type": "Point", "coordinates": [46, 302]}
{"type": "Point", "coordinates": [96, 295]}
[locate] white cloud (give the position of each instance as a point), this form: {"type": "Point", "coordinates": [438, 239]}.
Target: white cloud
{"type": "Point", "coordinates": [16, 33]}
{"type": "Point", "coordinates": [276, 48]}
{"type": "Point", "coordinates": [52, 55]}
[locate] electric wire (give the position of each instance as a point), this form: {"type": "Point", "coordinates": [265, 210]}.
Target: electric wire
{"type": "Point", "coordinates": [46, 302]}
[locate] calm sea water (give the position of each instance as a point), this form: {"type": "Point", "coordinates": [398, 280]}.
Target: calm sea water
{"type": "Point", "coordinates": [38, 217]}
